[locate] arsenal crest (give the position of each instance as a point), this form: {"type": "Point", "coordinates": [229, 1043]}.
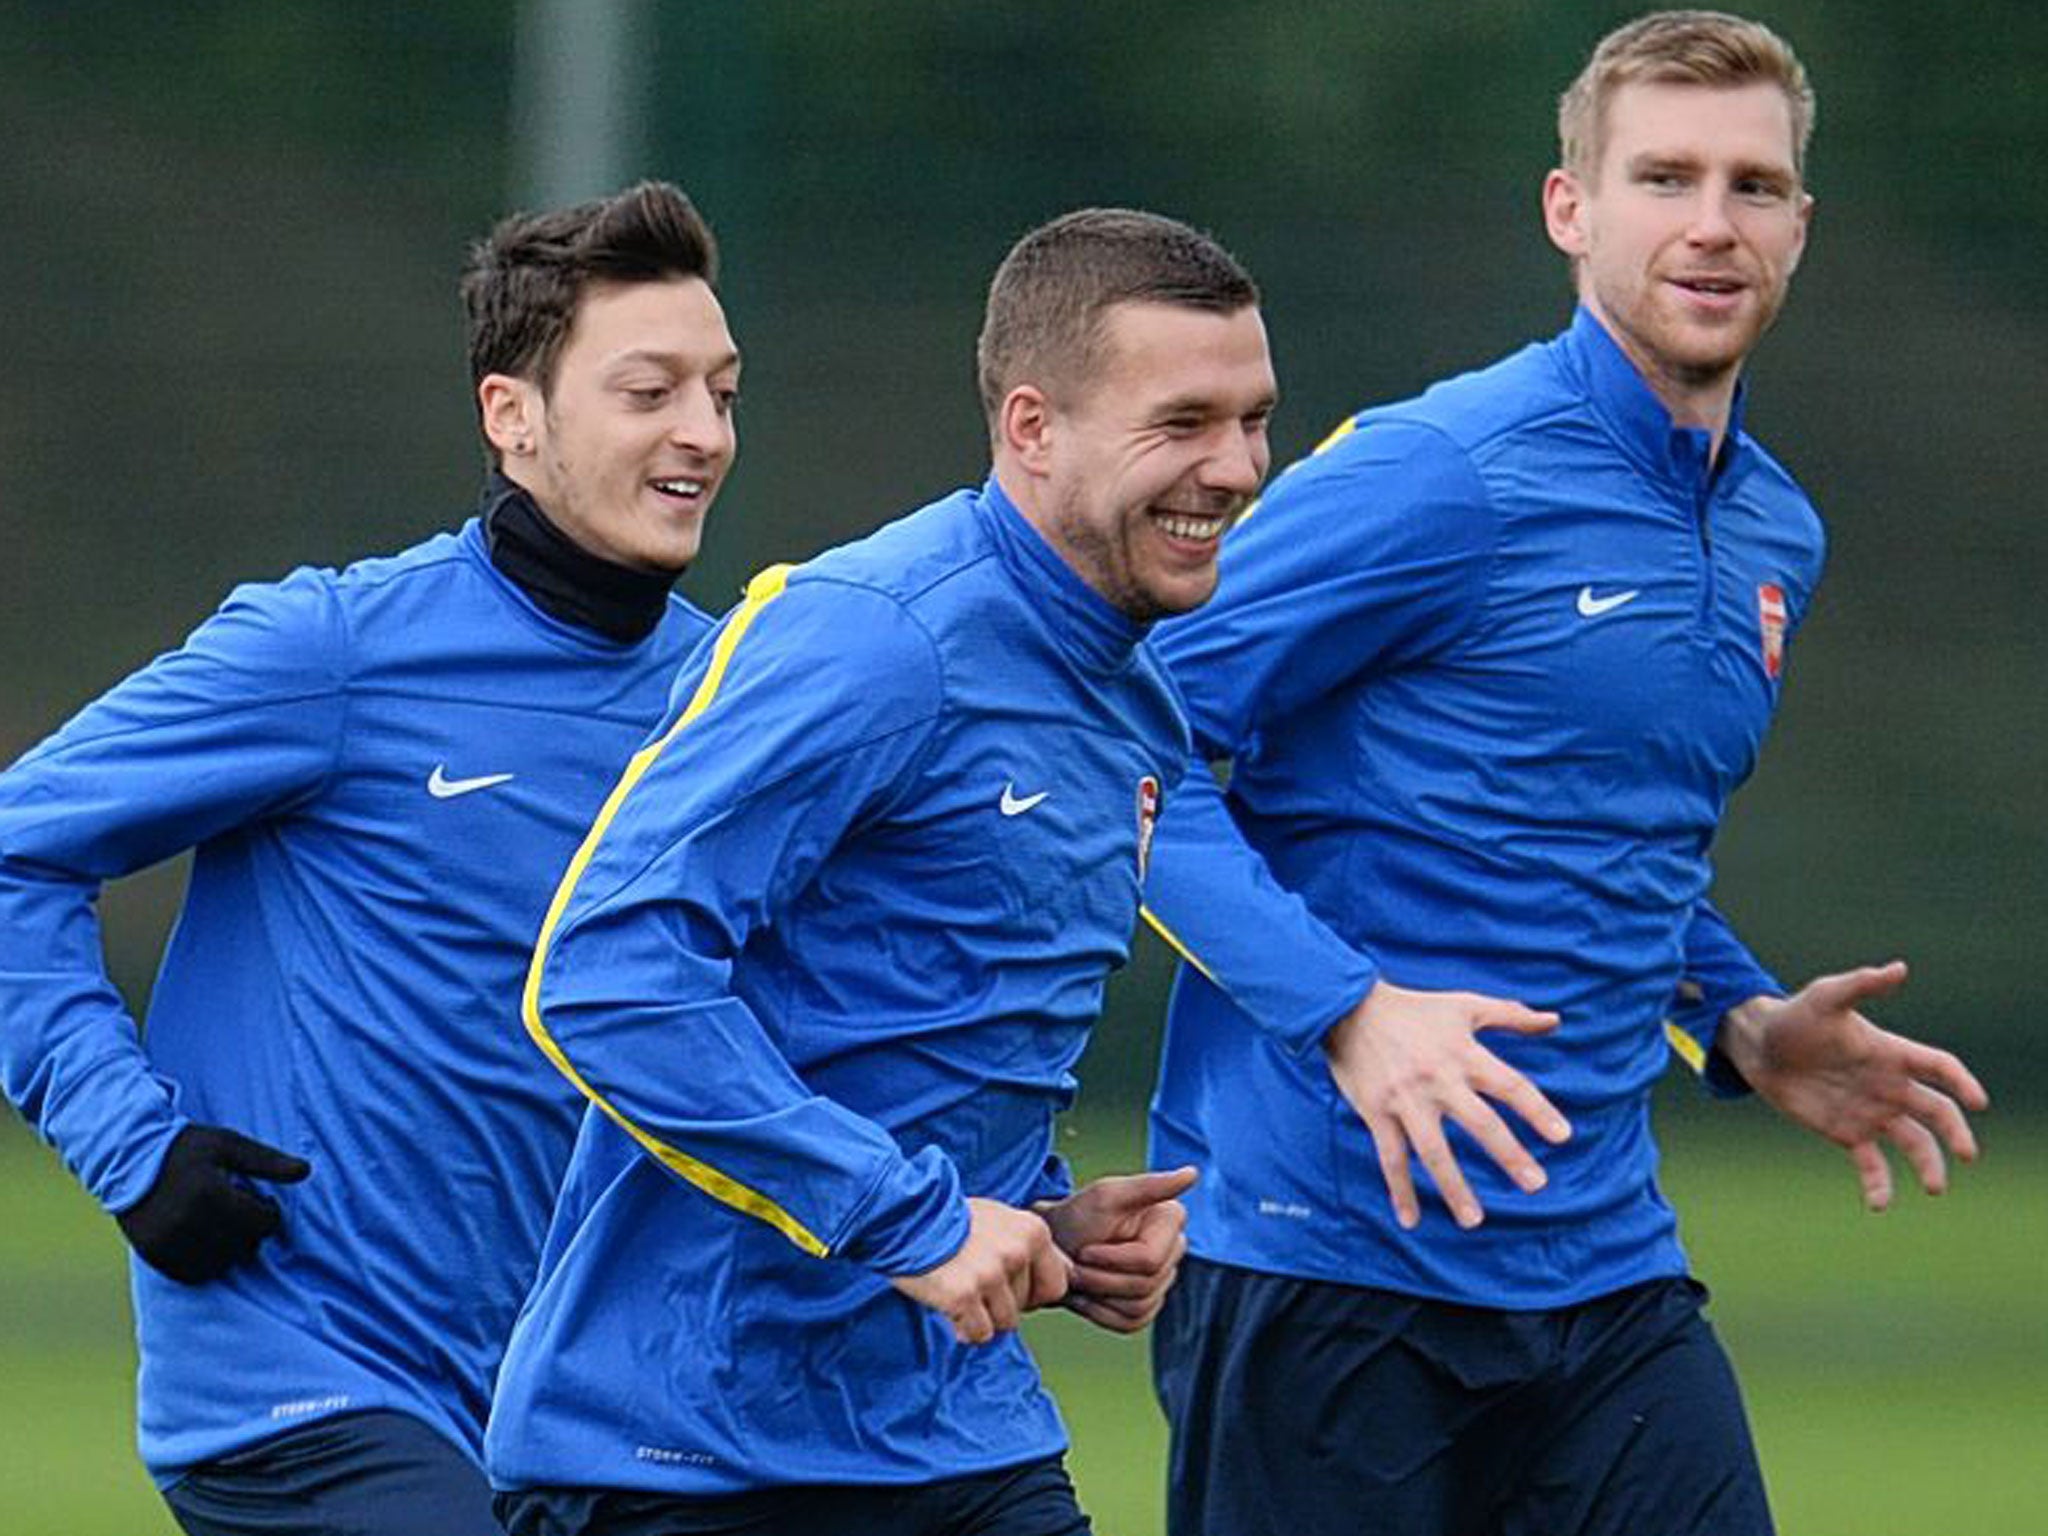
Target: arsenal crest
{"type": "Point", "coordinates": [1770, 615]}
{"type": "Point", "coordinates": [1148, 817]}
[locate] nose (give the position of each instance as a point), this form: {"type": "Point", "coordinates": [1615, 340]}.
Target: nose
{"type": "Point", "coordinates": [1239, 463]}
{"type": "Point", "coordinates": [700, 425]}
{"type": "Point", "coordinates": [1711, 225]}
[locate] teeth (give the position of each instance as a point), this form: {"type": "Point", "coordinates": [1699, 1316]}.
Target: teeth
{"type": "Point", "coordinates": [680, 487]}
{"type": "Point", "coordinates": [1190, 527]}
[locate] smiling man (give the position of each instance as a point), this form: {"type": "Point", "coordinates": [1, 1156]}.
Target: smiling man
{"type": "Point", "coordinates": [332, 1149]}
{"type": "Point", "coordinates": [1489, 666]}
{"type": "Point", "coordinates": [829, 954]}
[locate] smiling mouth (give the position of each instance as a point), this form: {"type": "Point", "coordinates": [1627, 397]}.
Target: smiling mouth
{"type": "Point", "coordinates": [1200, 527]}
{"type": "Point", "coordinates": [682, 488]}
{"type": "Point", "coordinates": [1712, 287]}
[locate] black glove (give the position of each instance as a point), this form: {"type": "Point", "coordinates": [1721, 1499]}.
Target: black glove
{"type": "Point", "coordinates": [198, 1221]}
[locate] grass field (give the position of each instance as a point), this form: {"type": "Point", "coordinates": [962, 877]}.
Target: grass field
{"type": "Point", "coordinates": [1896, 1366]}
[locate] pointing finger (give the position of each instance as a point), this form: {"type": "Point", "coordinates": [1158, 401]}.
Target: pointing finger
{"type": "Point", "coordinates": [1126, 1194]}
{"type": "Point", "coordinates": [245, 1155]}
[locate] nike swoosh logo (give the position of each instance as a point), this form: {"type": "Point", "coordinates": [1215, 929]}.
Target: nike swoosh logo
{"type": "Point", "coordinates": [441, 787]}
{"type": "Point", "coordinates": [1012, 805]}
{"type": "Point", "coordinates": [1592, 607]}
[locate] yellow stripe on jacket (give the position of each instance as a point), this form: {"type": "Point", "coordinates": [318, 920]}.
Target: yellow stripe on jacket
{"type": "Point", "coordinates": [762, 590]}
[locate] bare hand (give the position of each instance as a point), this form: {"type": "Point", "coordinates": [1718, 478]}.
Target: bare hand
{"type": "Point", "coordinates": [1406, 1061]}
{"type": "Point", "coordinates": [1126, 1235]}
{"type": "Point", "coordinates": [1820, 1063]}
{"type": "Point", "coordinates": [1008, 1265]}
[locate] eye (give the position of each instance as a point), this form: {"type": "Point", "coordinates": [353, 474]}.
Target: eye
{"type": "Point", "coordinates": [724, 400]}
{"type": "Point", "coordinates": [645, 396]}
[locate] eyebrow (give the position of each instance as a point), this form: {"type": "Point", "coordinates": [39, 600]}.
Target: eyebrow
{"type": "Point", "coordinates": [720, 364]}
{"type": "Point", "coordinates": [1685, 160]}
{"type": "Point", "coordinates": [1661, 159]}
{"type": "Point", "coordinates": [1208, 405]}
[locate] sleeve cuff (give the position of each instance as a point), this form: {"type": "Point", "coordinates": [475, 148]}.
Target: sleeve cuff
{"type": "Point", "coordinates": [1297, 1003]}
{"type": "Point", "coordinates": [1694, 1030]}
{"type": "Point", "coordinates": [913, 1220]}
{"type": "Point", "coordinates": [130, 1134]}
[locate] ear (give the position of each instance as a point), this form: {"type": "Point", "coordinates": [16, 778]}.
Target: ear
{"type": "Point", "coordinates": [1564, 212]}
{"type": "Point", "coordinates": [511, 410]}
{"type": "Point", "coordinates": [1805, 229]}
{"type": "Point", "coordinates": [1025, 428]}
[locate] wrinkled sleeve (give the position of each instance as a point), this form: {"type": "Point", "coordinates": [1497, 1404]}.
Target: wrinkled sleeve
{"type": "Point", "coordinates": [1720, 972]}
{"type": "Point", "coordinates": [239, 723]}
{"type": "Point", "coordinates": [794, 722]}
{"type": "Point", "coordinates": [1367, 556]}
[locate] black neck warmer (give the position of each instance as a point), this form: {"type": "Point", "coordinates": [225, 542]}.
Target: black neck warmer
{"type": "Point", "coordinates": [565, 580]}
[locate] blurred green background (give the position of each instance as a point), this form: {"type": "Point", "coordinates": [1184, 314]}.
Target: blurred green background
{"type": "Point", "coordinates": [227, 280]}
{"type": "Point", "coordinates": [1893, 1364]}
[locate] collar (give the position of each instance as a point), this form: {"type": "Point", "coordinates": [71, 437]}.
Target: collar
{"type": "Point", "coordinates": [1082, 620]}
{"type": "Point", "coordinates": [562, 578]}
{"type": "Point", "coordinates": [1638, 420]}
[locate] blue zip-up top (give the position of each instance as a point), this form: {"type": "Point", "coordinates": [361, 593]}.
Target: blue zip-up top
{"type": "Point", "coordinates": [824, 966]}
{"type": "Point", "coordinates": [380, 776]}
{"type": "Point", "coordinates": [1488, 665]}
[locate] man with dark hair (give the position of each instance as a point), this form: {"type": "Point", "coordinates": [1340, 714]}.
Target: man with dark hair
{"type": "Point", "coordinates": [830, 952]}
{"type": "Point", "coordinates": [332, 1149]}
{"type": "Point", "coordinates": [1488, 666]}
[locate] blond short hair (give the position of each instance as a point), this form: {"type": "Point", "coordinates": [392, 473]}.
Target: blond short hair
{"type": "Point", "coordinates": [1708, 48]}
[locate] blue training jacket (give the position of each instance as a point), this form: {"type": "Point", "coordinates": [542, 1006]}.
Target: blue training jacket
{"type": "Point", "coordinates": [1489, 665]}
{"type": "Point", "coordinates": [383, 771]}
{"type": "Point", "coordinates": [824, 966]}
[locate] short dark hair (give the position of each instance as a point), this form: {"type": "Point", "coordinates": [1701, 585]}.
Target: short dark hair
{"type": "Point", "coordinates": [1049, 298]}
{"type": "Point", "coordinates": [523, 281]}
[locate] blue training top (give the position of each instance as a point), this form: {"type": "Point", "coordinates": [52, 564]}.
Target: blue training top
{"type": "Point", "coordinates": [383, 771]}
{"type": "Point", "coordinates": [824, 966]}
{"type": "Point", "coordinates": [1489, 665]}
